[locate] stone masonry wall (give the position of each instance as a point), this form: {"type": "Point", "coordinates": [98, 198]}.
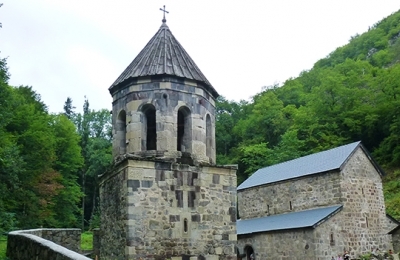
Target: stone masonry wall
{"type": "Point", "coordinates": [114, 215]}
{"type": "Point", "coordinates": [41, 244]}
{"type": "Point", "coordinates": [329, 238]}
{"type": "Point", "coordinates": [292, 195]}
{"type": "Point", "coordinates": [396, 240]}
{"type": "Point", "coordinates": [167, 97]}
{"type": "Point", "coordinates": [391, 224]}
{"type": "Point", "coordinates": [96, 242]}
{"type": "Point", "coordinates": [280, 245]}
{"type": "Point", "coordinates": [172, 210]}
{"type": "Point", "coordinates": [364, 220]}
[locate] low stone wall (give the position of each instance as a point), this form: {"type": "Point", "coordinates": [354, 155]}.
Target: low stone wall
{"type": "Point", "coordinates": [96, 242]}
{"type": "Point", "coordinates": [41, 244]}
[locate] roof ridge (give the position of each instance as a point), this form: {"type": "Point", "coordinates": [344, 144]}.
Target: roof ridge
{"type": "Point", "coordinates": [308, 155]}
{"type": "Point", "coordinates": [165, 45]}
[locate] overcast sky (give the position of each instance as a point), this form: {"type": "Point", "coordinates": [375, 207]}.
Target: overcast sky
{"type": "Point", "coordinates": [73, 48]}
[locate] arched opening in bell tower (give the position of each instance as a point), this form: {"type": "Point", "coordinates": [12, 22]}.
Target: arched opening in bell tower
{"type": "Point", "coordinates": [208, 135]}
{"type": "Point", "coordinates": [184, 130]}
{"type": "Point", "coordinates": [150, 127]}
{"type": "Point", "coordinates": [121, 131]}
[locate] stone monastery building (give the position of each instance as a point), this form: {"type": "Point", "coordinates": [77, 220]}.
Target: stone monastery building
{"type": "Point", "coordinates": [167, 199]}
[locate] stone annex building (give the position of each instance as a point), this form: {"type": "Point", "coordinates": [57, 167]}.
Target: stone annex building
{"type": "Point", "coordinates": [167, 199]}
{"type": "Point", "coordinates": [315, 207]}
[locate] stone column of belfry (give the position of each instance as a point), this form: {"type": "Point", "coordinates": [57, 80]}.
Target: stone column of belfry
{"type": "Point", "coordinates": [165, 196]}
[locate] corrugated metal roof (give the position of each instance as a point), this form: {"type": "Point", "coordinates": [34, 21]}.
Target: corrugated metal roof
{"type": "Point", "coordinates": [300, 219]}
{"type": "Point", "coordinates": [164, 55]}
{"type": "Point", "coordinates": [314, 163]}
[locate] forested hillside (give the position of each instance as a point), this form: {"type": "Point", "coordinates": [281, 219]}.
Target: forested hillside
{"type": "Point", "coordinates": [48, 162]}
{"type": "Point", "coordinates": [353, 94]}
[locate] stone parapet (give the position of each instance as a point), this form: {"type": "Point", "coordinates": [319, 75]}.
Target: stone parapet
{"type": "Point", "coordinates": [96, 242]}
{"type": "Point", "coordinates": [41, 244]}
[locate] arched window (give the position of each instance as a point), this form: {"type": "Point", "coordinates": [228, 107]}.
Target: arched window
{"type": "Point", "coordinates": [184, 137]}
{"type": "Point", "coordinates": [121, 131]}
{"type": "Point", "coordinates": [208, 136]}
{"type": "Point", "coordinates": [149, 124]}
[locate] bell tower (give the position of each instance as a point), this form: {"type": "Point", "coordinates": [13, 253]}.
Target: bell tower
{"type": "Point", "coordinates": [165, 196]}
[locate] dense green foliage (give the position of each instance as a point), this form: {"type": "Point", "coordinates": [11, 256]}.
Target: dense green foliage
{"type": "Point", "coordinates": [43, 159]}
{"type": "Point", "coordinates": [94, 128]}
{"type": "Point", "coordinates": [353, 94]}
{"type": "Point", "coordinates": [39, 157]}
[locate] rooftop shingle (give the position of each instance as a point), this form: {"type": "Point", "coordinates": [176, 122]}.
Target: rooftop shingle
{"type": "Point", "coordinates": [314, 163]}
{"type": "Point", "coordinates": [164, 55]}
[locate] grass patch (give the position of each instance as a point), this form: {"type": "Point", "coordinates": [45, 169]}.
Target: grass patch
{"type": "Point", "coordinates": [3, 247]}
{"type": "Point", "coordinates": [86, 240]}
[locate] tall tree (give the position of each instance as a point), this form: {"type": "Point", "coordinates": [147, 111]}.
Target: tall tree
{"type": "Point", "coordinates": [94, 129]}
{"type": "Point", "coordinates": [84, 133]}
{"type": "Point", "coordinates": [69, 108]}
{"type": "Point", "coordinates": [68, 162]}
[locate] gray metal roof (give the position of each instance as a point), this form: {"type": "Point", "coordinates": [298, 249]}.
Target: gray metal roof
{"type": "Point", "coordinates": [164, 55]}
{"type": "Point", "coordinates": [314, 163]}
{"type": "Point", "coordinates": [300, 219]}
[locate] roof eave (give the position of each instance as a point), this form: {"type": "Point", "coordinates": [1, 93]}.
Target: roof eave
{"type": "Point", "coordinates": [374, 163]}
{"type": "Point", "coordinates": [275, 230]}
{"type": "Point", "coordinates": [129, 81]}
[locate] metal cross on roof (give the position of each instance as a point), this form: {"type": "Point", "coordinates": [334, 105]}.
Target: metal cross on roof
{"type": "Point", "coordinates": [165, 11]}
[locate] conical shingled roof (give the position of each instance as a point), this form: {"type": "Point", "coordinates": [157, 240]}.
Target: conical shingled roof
{"type": "Point", "coordinates": [164, 55]}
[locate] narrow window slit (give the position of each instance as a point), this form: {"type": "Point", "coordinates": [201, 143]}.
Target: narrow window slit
{"type": "Point", "coordinates": [208, 136]}
{"type": "Point", "coordinates": [185, 225]}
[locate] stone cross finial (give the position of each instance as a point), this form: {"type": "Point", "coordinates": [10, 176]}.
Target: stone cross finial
{"type": "Point", "coordinates": [165, 11]}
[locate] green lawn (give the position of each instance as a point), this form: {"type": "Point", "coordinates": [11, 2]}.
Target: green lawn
{"type": "Point", "coordinates": [86, 240]}
{"type": "Point", "coordinates": [3, 247]}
